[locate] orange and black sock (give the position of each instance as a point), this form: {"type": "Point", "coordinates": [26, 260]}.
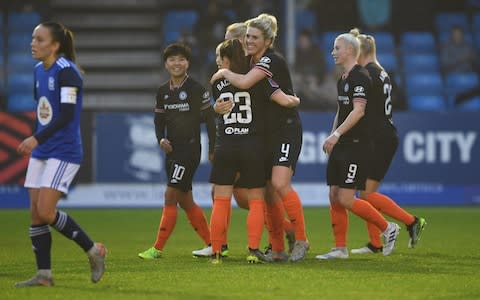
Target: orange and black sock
{"type": "Point", "coordinates": [387, 206]}
{"type": "Point", "coordinates": [167, 224]}
{"type": "Point", "coordinates": [294, 209]}
{"type": "Point", "coordinates": [219, 222]}
{"type": "Point", "coordinates": [255, 222]}
{"type": "Point", "coordinates": [199, 223]}
{"type": "Point", "coordinates": [374, 235]}
{"type": "Point", "coordinates": [276, 217]}
{"type": "Point", "coordinates": [364, 210]}
{"type": "Point", "coordinates": [339, 219]}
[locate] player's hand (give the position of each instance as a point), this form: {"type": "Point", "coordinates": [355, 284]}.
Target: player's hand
{"type": "Point", "coordinates": [217, 76]}
{"type": "Point", "coordinates": [223, 106]}
{"type": "Point", "coordinates": [27, 145]}
{"type": "Point", "coordinates": [210, 157]}
{"type": "Point", "coordinates": [329, 143]}
{"type": "Point", "coordinates": [165, 145]}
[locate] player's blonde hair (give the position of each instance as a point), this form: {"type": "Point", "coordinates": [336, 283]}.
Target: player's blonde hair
{"type": "Point", "coordinates": [236, 31]}
{"type": "Point", "coordinates": [351, 39]}
{"type": "Point", "coordinates": [267, 24]}
{"type": "Point", "coordinates": [368, 47]}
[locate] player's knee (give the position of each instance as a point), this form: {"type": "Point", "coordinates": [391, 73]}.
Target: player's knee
{"type": "Point", "coordinates": [45, 216]}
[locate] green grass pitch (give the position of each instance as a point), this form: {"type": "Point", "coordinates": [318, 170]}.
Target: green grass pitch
{"type": "Point", "coordinates": [445, 265]}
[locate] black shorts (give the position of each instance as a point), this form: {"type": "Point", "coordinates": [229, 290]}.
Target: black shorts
{"type": "Point", "coordinates": [244, 159]}
{"type": "Point", "coordinates": [283, 148]}
{"type": "Point", "coordinates": [347, 165]}
{"type": "Point", "coordinates": [181, 165]}
{"type": "Point", "coordinates": [381, 158]}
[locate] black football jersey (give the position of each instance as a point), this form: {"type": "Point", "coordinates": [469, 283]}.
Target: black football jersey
{"type": "Point", "coordinates": [356, 85]}
{"type": "Point", "coordinates": [379, 108]}
{"type": "Point", "coordinates": [247, 117]}
{"type": "Point", "coordinates": [178, 112]}
{"type": "Point", "coordinates": [275, 67]}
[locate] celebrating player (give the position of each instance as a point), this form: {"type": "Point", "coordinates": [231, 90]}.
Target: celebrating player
{"type": "Point", "coordinates": [348, 148]}
{"type": "Point", "coordinates": [385, 143]}
{"type": "Point", "coordinates": [284, 131]}
{"type": "Point", "coordinates": [240, 136]}
{"type": "Point", "coordinates": [182, 104]}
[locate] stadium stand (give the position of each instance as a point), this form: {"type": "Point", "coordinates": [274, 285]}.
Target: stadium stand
{"type": "Point", "coordinates": [427, 103]}
{"type": "Point", "coordinates": [418, 42]}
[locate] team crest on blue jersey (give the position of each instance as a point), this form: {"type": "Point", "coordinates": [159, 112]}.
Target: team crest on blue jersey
{"type": "Point", "coordinates": [44, 111]}
{"type": "Point", "coordinates": [183, 95]}
{"type": "Point", "coordinates": [346, 87]}
{"type": "Point", "coordinates": [51, 83]}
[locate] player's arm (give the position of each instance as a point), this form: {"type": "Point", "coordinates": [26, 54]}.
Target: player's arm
{"type": "Point", "coordinates": [209, 119]}
{"type": "Point", "coordinates": [68, 99]}
{"type": "Point", "coordinates": [243, 81]}
{"type": "Point", "coordinates": [69, 82]}
{"type": "Point", "coordinates": [285, 100]}
{"type": "Point", "coordinates": [160, 124]}
{"type": "Point", "coordinates": [359, 105]}
{"type": "Point", "coordinates": [207, 115]}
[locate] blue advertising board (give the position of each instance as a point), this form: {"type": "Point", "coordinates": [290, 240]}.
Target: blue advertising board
{"type": "Point", "coordinates": [435, 162]}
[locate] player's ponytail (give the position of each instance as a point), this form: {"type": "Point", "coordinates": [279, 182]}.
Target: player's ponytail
{"type": "Point", "coordinates": [233, 50]}
{"type": "Point", "coordinates": [64, 37]}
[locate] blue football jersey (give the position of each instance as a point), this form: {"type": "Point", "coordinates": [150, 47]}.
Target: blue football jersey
{"type": "Point", "coordinates": [66, 143]}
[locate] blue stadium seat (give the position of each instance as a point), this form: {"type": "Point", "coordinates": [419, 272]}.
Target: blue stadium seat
{"type": "Point", "coordinates": [418, 42]}
{"type": "Point", "coordinates": [476, 22]}
{"type": "Point", "coordinates": [19, 82]}
{"type": "Point", "coordinates": [388, 61]}
{"type": "Point", "coordinates": [427, 103]}
{"type": "Point", "coordinates": [384, 41]}
{"type": "Point", "coordinates": [20, 62]}
{"type": "Point", "coordinates": [424, 84]}
{"type": "Point", "coordinates": [457, 83]}
{"type": "Point", "coordinates": [327, 39]}
{"type": "Point", "coordinates": [444, 37]}
{"type": "Point", "coordinates": [176, 22]}
{"type": "Point", "coordinates": [19, 42]}
{"type": "Point", "coordinates": [23, 21]}
{"type": "Point", "coordinates": [305, 19]}
{"type": "Point", "coordinates": [171, 36]}
{"type": "Point", "coordinates": [425, 63]}
{"type": "Point", "coordinates": [471, 105]}
{"type": "Point", "coordinates": [22, 101]}
{"type": "Point", "coordinates": [476, 38]}
{"type": "Point", "coordinates": [445, 21]}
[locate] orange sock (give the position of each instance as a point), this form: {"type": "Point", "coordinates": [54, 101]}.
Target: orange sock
{"type": "Point", "coordinates": [229, 216]}
{"type": "Point", "coordinates": [294, 209]}
{"type": "Point", "coordinates": [387, 206]}
{"type": "Point", "coordinates": [364, 210]}
{"type": "Point", "coordinates": [167, 224]}
{"type": "Point", "coordinates": [287, 225]}
{"type": "Point", "coordinates": [199, 223]}
{"type": "Point", "coordinates": [218, 222]}
{"type": "Point", "coordinates": [374, 235]}
{"type": "Point", "coordinates": [255, 222]}
{"type": "Point", "coordinates": [275, 213]}
{"type": "Point", "coordinates": [339, 219]}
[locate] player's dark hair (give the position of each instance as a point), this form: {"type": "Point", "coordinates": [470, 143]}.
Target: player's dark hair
{"type": "Point", "coordinates": [64, 37]}
{"type": "Point", "coordinates": [177, 49]}
{"type": "Point", "coordinates": [233, 49]}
